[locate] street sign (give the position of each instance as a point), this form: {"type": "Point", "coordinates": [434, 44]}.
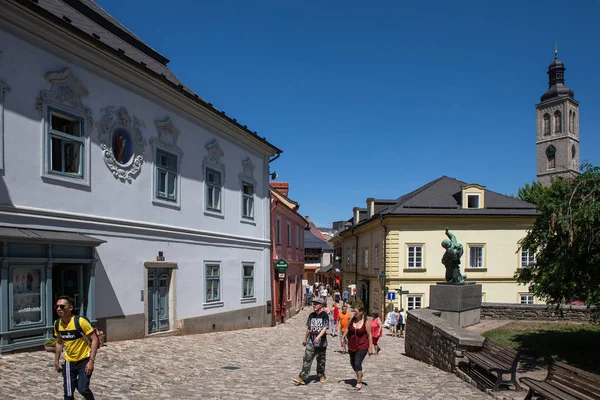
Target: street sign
{"type": "Point", "coordinates": [404, 292]}
{"type": "Point", "coordinates": [304, 282]}
{"type": "Point", "coordinates": [281, 276]}
{"type": "Point", "coordinates": [281, 265]}
{"type": "Point", "coordinates": [391, 296]}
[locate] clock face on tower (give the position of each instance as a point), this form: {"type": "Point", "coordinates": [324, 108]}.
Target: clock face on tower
{"type": "Point", "coordinates": [550, 150]}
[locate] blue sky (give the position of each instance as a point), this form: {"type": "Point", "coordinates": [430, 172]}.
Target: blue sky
{"type": "Point", "coordinates": [376, 100]}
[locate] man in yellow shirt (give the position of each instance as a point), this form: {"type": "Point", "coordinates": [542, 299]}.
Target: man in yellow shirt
{"type": "Point", "coordinates": [80, 352]}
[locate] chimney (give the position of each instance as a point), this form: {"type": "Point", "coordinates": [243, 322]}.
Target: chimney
{"type": "Point", "coordinates": [356, 219]}
{"type": "Point", "coordinates": [281, 187]}
{"type": "Point", "coordinates": [371, 206]}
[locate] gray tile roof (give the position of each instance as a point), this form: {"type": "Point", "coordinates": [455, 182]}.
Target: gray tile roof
{"type": "Point", "coordinates": [443, 197]}
{"type": "Point", "coordinates": [313, 242]}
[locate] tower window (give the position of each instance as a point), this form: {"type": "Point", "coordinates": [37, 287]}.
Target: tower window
{"type": "Point", "coordinates": [573, 151]}
{"type": "Point", "coordinates": [570, 121]}
{"type": "Point", "coordinates": [546, 124]}
{"type": "Point", "coordinates": [557, 122]}
{"type": "Point", "coordinates": [550, 154]}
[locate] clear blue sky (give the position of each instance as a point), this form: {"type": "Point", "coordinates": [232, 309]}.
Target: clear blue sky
{"type": "Point", "coordinates": [376, 99]}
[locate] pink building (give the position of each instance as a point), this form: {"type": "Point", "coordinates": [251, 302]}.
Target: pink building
{"type": "Point", "coordinates": [287, 238]}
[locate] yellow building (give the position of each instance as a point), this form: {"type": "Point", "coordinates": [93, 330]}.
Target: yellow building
{"type": "Point", "coordinates": [400, 240]}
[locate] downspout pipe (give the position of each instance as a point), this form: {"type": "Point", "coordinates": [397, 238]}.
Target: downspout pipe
{"type": "Point", "coordinates": [274, 283]}
{"type": "Point", "coordinates": [275, 157]}
{"type": "Point", "coordinates": [355, 264]}
{"type": "Point", "coordinates": [384, 258]}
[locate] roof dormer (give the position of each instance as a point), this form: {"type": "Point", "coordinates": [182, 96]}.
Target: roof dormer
{"type": "Point", "coordinates": [473, 196]}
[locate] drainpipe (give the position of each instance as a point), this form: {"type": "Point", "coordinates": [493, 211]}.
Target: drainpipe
{"type": "Point", "coordinates": [355, 264]}
{"type": "Point", "coordinates": [274, 283]}
{"type": "Point", "coordinates": [274, 158]}
{"type": "Point", "coordinates": [384, 262]}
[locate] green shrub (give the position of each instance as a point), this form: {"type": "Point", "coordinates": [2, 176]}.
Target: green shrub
{"type": "Point", "coordinates": [50, 342]}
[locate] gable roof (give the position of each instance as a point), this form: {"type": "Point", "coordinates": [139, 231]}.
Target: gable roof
{"type": "Point", "coordinates": [443, 196]}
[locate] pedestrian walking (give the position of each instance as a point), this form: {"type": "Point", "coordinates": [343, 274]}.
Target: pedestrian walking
{"type": "Point", "coordinates": [394, 322]}
{"type": "Point", "coordinates": [343, 321]}
{"type": "Point", "coordinates": [80, 344]}
{"type": "Point", "coordinates": [345, 296]}
{"type": "Point", "coordinates": [402, 319]}
{"type": "Point", "coordinates": [336, 297]}
{"type": "Point", "coordinates": [333, 317]}
{"type": "Point", "coordinates": [376, 331]}
{"type": "Point", "coordinates": [315, 341]}
{"type": "Point", "coordinates": [360, 342]}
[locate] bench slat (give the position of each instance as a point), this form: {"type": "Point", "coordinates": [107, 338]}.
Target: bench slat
{"type": "Point", "coordinates": [547, 390]}
{"type": "Point", "coordinates": [566, 382]}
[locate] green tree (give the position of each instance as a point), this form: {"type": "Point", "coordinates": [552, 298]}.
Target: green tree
{"type": "Point", "coordinates": [566, 238]}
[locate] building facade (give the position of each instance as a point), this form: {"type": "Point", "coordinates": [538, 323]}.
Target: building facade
{"type": "Point", "coordinates": [557, 123]}
{"type": "Point", "coordinates": [401, 241]}
{"type": "Point", "coordinates": [288, 244]}
{"type": "Point", "coordinates": [120, 186]}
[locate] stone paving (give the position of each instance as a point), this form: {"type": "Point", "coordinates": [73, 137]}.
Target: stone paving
{"type": "Point", "coordinates": [247, 364]}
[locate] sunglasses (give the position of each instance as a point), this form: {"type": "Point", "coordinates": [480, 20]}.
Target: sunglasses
{"type": "Point", "coordinates": [61, 306]}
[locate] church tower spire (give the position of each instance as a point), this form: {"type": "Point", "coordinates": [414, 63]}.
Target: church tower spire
{"type": "Point", "coordinates": [557, 139]}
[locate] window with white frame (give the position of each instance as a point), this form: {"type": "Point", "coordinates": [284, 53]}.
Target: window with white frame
{"type": "Point", "coordinates": [472, 201]}
{"type": "Point", "coordinates": [347, 256]}
{"type": "Point", "coordinates": [297, 237]}
{"type": "Point", "coordinates": [353, 256]}
{"type": "Point", "coordinates": [247, 200]}
{"type": "Point", "coordinates": [166, 175]}
{"type": "Point", "coordinates": [289, 234]}
{"type": "Point", "coordinates": [213, 280]}
{"type": "Point", "coordinates": [248, 280]}
{"type": "Point", "coordinates": [415, 256]}
{"type": "Point", "coordinates": [278, 230]}
{"type": "Point", "coordinates": [213, 190]}
{"type": "Point", "coordinates": [527, 257]}
{"type": "Point", "coordinates": [65, 143]}
{"type": "Point", "coordinates": [376, 256]}
{"type": "Point", "coordinates": [476, 256]}
{"type": "Point", "coordinates": [526, 298]}
{"type": "Point", "coordinates": [415, 302]}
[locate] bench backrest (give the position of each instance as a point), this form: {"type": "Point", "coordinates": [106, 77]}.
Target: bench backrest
{"type": "Point", "coordinates": [574, 381]}
{"type": "Point", "coordinates": [504, 355]}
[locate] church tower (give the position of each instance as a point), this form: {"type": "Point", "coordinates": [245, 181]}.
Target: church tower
{"type": "Point", "coordinates": [557, 123]}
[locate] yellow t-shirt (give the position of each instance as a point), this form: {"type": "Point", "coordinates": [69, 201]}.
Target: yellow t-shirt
{"type": "Point", "coordinates": [76, 346]}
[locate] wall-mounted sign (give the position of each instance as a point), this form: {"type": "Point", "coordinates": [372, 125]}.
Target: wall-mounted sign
{"type": "Point", "coordinates": [281, 265]}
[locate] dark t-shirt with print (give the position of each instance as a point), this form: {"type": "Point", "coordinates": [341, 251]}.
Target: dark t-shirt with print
{"type": "Point", "coordinates": [315, 324]}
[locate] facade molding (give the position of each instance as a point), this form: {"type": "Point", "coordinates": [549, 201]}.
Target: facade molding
{"type": "Point", "coordinates": [107, 63]}
{"type": "Point", "coordinates": [4, 88]}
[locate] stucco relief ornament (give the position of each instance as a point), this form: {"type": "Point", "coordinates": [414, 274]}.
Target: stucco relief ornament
{"type": "Point", "coordinates": [66, 91]}
{"type": "Point", "coordinates": [213, 158]}
{"type": "Point", "coordinates": [167, 134]}
{"type": "Point", "coordinates": [122, 142]}
{"type": "Point", "coordinates": [247, 173]}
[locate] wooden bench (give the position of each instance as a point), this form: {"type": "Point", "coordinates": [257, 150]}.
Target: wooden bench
{"type": "Point", "coordinates": [496, 359]}
{"type": "Point", "coordinates": [564, 382]}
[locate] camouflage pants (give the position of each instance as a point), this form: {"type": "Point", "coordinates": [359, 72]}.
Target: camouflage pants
{"type": "Point", "coordinates": [309, 354]}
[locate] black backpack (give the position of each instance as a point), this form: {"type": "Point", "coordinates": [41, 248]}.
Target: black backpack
{"type": "Point", "coordinates": [78, 328]}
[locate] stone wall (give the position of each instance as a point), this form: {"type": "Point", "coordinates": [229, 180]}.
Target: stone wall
{"type": "Point", "coordinates": [435, 341]}
{"type": "Point", "coordinates": [539, 312]}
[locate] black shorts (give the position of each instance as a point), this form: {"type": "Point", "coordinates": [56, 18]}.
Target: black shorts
{"type": "Point", "coordinates": [356, 359]}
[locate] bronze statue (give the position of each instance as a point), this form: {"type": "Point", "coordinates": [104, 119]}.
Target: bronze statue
{"type": "Point", "coordinates": [451, 259]}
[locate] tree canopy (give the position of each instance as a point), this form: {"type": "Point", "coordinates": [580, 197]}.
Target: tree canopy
{"type": "Point", "coordinates": [565, 238]}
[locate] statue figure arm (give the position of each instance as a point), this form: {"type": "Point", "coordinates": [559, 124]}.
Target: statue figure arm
{"type": "Point", "coordinates": [451, 237]}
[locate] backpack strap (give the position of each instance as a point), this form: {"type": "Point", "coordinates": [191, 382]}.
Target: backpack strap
{"type": "Point", "coordinates": [56, 328]}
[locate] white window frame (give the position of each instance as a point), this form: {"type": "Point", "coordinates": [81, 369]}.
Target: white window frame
{"type": "Point", "coordinates": [248, 280]}
{"type": "Point", "coordinates": [212, 279]}
{"type": "Point", "coordinates": [278, 230]}
{"type": "Point", "coordinates": [289, 234]}
{"type": "Point", "coordinates": [166, 143]}
{"type": "Point", "coordinates": [474, 195]}
{"type": "Point", "coordinates": [414, 301]}
{"type": "Point", "coordinates": [526, 298]}
{"type": "Point", "coordinates": [158, 169]}
{"type": "Point", "coordinates": [297, 237]}
{"type": "Point", "coordinates": [247, 201]}
{"type": "Point", "coordinates": [481, 247]}
{"type": "Point", "coordinates": [376, 257]}
{"type": "Point", "coordinates": [411, 249]}
{"type": "Point", "coordinates": [216, 188]}
{"type": "Point", "coordinates": [364, 259]}
{"type": "Point", "coordinates": [348, 257]}
{"type": "Point", "coordinates": [527, 255]}
{"type": "Point", "coordinates": [65, 98]}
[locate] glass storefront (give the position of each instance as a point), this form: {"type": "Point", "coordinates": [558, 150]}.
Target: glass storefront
{"type": "Point", "coordinates": [32, 276]}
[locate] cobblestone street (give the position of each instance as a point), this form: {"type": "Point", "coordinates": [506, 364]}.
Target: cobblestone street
{"type": "Point", "coordinates": [246, 364]}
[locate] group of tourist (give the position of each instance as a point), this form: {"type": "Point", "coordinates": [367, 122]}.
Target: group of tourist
{"type": "Point", "coordinates": [358, 335]}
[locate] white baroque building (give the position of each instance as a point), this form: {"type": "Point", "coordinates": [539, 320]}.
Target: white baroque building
{"type": "Point", "coordinates": [121, 187]}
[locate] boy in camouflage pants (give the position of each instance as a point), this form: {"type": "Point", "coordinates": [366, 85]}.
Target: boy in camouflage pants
{"type": "Point", "coordinates": [315, 341]}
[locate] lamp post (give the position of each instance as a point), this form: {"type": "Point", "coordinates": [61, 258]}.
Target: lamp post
{"type": "Point", "coordinates": [382, 278]}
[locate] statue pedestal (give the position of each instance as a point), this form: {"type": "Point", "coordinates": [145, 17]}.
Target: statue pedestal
{"type": "Point", "coordinates": [460, 304]}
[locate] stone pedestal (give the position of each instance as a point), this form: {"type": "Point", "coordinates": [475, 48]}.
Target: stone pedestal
{"type": "Point", "coordinates": [459, 304]}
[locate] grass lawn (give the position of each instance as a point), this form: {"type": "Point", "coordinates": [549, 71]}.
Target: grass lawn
{"type": "Point", "coordinates": [574, 343]}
